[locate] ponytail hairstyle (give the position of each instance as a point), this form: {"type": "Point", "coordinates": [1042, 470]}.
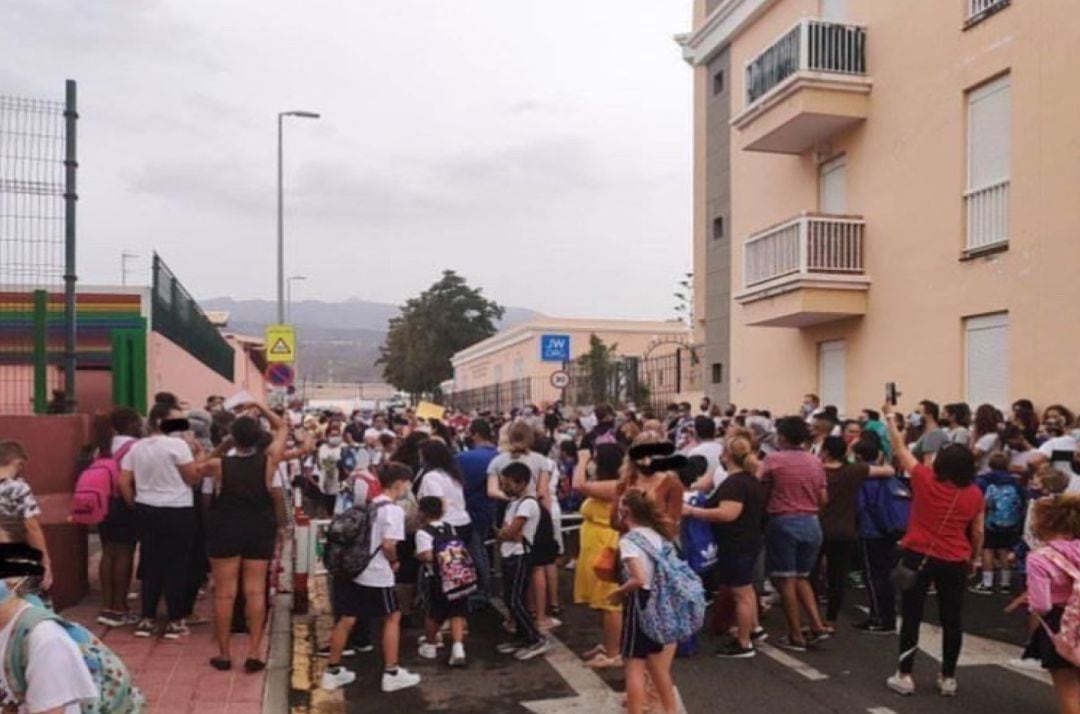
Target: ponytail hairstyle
{"type": "Point", "coordinates": [644, 511]}
{"type": "Point", "coordinates": [740, 450]}
{"type": "Point", "coordinates": [520, 437]}
{"type": "Point", "coordinates": [101, 435]}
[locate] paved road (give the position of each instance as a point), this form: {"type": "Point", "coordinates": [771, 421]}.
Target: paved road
{"type": "Point", "coordinates": [845, 675]}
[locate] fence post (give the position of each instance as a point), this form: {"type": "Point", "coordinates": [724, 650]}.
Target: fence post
{"type": "Point", "coordinates": [71, 164]}
{"type": "Point", "coordinates": [41, 351]}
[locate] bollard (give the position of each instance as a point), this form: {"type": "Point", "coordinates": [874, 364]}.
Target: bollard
{"type": "Point", "coordinates": [301, 566]}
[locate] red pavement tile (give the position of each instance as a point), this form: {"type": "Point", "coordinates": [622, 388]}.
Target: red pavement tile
{"type": "Point", "coordinates": [244, 708]}
{"type": "Point", "coordinates": [213, 691]}
{"type": "Point", "coordinates": [172, 708]}
{"type": "Point", "coordinates": [247, 688]}
{"type": "Point", "coordinates": [152, 684]}
{"type": "Point", "coordinates": [210, 708]}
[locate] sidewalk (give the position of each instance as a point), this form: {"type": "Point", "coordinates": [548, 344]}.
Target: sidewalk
{"type": "Point", "coordinates": [176, 676]}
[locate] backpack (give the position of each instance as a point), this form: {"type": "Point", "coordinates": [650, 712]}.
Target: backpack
{"type": "Point", "coordinates": [117, 694]}
{"type": "Point", "coordinates": [452, 563]}
{"type": "Point", "coordinates": [888, 505]}
{"type": "Point", "coordinates": [543, 549]}
{"type": "Point", "coordinates": [1067, 639]}
{"type": "Point", "coordinates": [698, 540]}
{"type": "Point", "coordinates": [676, 609]}
{"type": "Point", "coordinates": [1004, 507]}
{"type": "Point", "coordinates": [348, 540]}
{"type": "Point", "coordinates": [96, 487]}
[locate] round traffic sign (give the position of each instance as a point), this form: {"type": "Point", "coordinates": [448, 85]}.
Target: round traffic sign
{"type": "Point", "coordinates": [280, 374]}
{"type": "Point", "coordinates": [560, 379]}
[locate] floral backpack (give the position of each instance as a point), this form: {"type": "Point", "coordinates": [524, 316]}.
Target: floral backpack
{"type": "Point", "coordinates": [676, 610]}
{"type": "Point", "coordinates": [1067, 639]}
{"type": "Point", "coordinates": [116, 692]}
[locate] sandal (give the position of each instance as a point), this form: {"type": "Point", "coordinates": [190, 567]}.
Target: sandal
{"type": "Point", "coordinates": [602, 661]}
{"type": "Point", "coordinates": [598, 649]}
{"type": "Point", "coordinates": [222, 664]}
{"type": "Point", "coordinates": [252, 665]}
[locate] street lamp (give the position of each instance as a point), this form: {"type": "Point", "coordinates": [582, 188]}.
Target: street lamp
{"type": "Point", "coordinates": [292, 279]}
{"type": "Point", "coordinates": [280, 213]}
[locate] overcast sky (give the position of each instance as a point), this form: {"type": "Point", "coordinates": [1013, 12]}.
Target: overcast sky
{"type": "Point", "coordinates": [539, 147]}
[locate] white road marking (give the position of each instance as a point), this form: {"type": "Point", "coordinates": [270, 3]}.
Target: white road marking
{"type": "Point", "coordinates": [790, 662]}
{"type": "Point", "coordinates": [880, 710]}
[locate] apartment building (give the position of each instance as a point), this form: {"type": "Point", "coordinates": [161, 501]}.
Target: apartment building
{"type": "Point", "coordinates": [886, 191]}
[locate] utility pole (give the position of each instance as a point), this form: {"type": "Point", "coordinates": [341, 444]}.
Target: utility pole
{"type": "Point", "coordinates": [125, 256]}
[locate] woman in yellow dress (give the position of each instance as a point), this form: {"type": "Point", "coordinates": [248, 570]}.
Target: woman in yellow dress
{"type": "Point", "coordinates": [596, 535]}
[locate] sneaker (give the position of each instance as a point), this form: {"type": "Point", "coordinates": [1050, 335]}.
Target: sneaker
{"type": "Point", "coordinates": [457, 655]}
{"type": "Point", "coordinates": [325, 652]}
{"type": "Point", "coordinates": [427, 651]}
{"type": "Point", "coordinates": [787, 643]}
{"type": "Point", "coordinates": [145, 628]}
{"type": "Point", "coordinates": [981, 589]}
{"type": "Point", "coordinates": [570, 564]}
{"type": "Point", "coordinates": [176, 630]}
{"type": "Point", "coordinates": [402, 679]}
{"type": "Point", "coordinates": [361, 649]}
{"type": "Point", "coordinates": [815, 637]}
{"type": "Point", "coordinates": [901, 684]}
{"type": "Point", "coordinates": [110, 619]}
{"type": "Point", "coordinates": [759, 635]}
{"type": "Point", "coordinates": [874, 629]}
{"type": "Point", "coordinates": [551, 624]}
{"type": "Point", "coordinates": [422, 640]}
{"type": "Point", "coordinates": [1031, 664]}
{"type": "Point", "coordinates": [946, 686]}
{"type": "Point", "coordinates": [536, 649]}
{"type": "Point", "coordinates": [129, 618]}
{"type": "Point", "coordinates": [508, 648]}
{"type": "Point", "coordinates": [733, 650]}
{"type": "Point", "coordinates": [194, 620]}
{"type": "Point", "coordinates": [335, 678]}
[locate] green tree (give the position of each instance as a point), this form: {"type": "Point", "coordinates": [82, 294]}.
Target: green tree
{"type": "Point", "coordinates": [599, 364]}
{"type": "Point", "coordinates": [444, 319]}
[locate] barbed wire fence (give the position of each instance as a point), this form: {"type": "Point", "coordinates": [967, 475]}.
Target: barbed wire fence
{"type": "Point", "coordinates": [37, 253]}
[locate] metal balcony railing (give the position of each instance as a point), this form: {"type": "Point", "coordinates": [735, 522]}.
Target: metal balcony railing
{"type": "Point", "coordinates": [812, 45]}
{"type": "Point", "coordinates": [809, 244]}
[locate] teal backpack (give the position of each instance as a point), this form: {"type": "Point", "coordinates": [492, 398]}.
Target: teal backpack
{"type": "Point", "coordinates": [116, 692]}
{"type": "Point", "coordinates": [676, 609]}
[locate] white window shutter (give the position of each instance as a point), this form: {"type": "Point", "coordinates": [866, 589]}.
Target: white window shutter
{"type": "Point", "coordinates": [832, 373]}
{"type": "Point", "coordinates": [989, 127]}
{"type": "Point", "coordinates": [987, 359]}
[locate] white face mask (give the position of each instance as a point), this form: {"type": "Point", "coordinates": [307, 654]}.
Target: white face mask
{"type": "Point", "coordinates": [334, 441]}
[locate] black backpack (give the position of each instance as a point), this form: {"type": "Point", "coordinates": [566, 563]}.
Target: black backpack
{"type": "Point", "coordinates": [348, 540]}
{"type": "Point", "coordinates": [543, 549]}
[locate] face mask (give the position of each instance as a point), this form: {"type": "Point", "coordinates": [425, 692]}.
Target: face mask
{"type": "Point", "coordinates": [334, 441]}
{"type": "Point", "coordinates": [174, 426]}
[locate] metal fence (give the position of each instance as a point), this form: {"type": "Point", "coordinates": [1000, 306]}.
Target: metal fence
{"type": "Point", "coordinates": [37, 253]}
{"type": "Point", "coordinates": [176, 315]}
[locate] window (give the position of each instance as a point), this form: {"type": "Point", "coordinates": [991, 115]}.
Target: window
{"type": "Point", "coordinates": [987, 196]}
{"type": "Point", "coordinates": [718, 228]}
{"type": "Point", "coordinates": [718, 83]}
{"type": "Point", "coordinates": [832, 187]}
{"type": "Point", "coordinates": [986, 359]}
{"type": "Point", "coordinates": [717, 372]}
{"type": "Point", "coordinates": [832, 373]}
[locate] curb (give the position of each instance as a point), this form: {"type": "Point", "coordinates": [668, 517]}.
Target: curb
{"type": "Point", "coordinates": [279, 659]}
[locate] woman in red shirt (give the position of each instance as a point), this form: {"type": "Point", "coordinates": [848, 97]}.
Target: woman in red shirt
{"type": "Point", "coordinates": [944, 538]}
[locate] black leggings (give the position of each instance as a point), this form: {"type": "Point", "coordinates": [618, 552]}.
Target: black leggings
{"type": "Point", "coordinates": [837, 555]}
{"type": "Point", "coordinates": [165, 541]}
{"type": "Point", "coordinates": [950, 579]}
{"type": "Point", "coordinates": [516, 572]}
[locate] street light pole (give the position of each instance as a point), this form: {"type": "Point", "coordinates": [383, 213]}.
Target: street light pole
{"type": "Point", "coordinates": [292, 279]}
{"type": "Point", "coordinates": [281, 210]}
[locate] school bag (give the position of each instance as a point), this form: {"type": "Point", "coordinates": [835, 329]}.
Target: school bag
{"type": "Point", "coordinates": [96, 488]}
{"type": "Point", "coordinates": [1004, 507]}
{"type": "Point", "coordinates": [348, 540]}
{"type": "Point", "coordinates": [117, 694]}
{"type": "Point", "coordinates": [676, 608]}
{"type": "Point", "coordinates": [1067, 639]}
{"type": "Point", "coordinates": [698, 539]}
{"type": "Point", "coordinates": [888, 505]}
{"type": "Point", "coordinates": [543, 549]}
{"type": "Point", "coordinates": [452, 563]}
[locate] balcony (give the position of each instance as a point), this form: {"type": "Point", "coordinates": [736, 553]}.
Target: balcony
{"type": "Point", "coordinates": [803, 272]}
{"type": "Point", "coordinates": [805, 88]}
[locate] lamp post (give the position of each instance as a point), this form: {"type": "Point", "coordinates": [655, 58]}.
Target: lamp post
{"type": "Point", "coordinates": [281, 214]}
{"type": "Point", "coordinates": [292, 279]}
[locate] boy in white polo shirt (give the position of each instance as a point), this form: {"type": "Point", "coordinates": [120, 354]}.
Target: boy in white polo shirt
{"type": "Point", "coordinates": [372, 594]}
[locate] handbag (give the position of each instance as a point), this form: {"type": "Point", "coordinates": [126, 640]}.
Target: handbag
{"type": "Point", "coordinates": [606, 565]}
{"type": "Point", "coordinates": [904, 577]}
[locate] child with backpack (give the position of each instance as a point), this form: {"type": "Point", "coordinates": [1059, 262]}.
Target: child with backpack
{"type": "Point", "coordinates": [362, 560]}
{"type": "Point", "coordinates": [19, 511]}
{"type": "Point", "coordinates": [657, 589]}
{"type": "Point", "coordinates": [1005, 510]}
{"type": "Point", "coordinates": [450, 578]}
{"type": "Point", "coordinates": [1054, 595]}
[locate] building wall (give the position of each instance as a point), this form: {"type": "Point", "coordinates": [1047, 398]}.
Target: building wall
{"type": "Point", "coordinates": [171, 369]}
{"type": "Point", "coordinates": [906, 173]}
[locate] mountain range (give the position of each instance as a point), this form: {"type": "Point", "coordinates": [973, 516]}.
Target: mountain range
{"type": "Point", "coordinates": [337, 341]}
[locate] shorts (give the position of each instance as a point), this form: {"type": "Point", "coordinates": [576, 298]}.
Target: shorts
{"type": "Point", "coordinates": [1043, 646]}
{"type": "Point", "coordinates": [791, 545]}
{"type": "Point", "coordinates": [1001, 540]}
{"type": "Point", "coordinates": [362, 601]}
{"type": "Point", "coordinates": [119, 524]}
{"type": "Point", "coordinates": [439, 608]}
{"type": "Point", "coordinates": [735, 570]}
{"type": "Point", "coordinates": [251, 537]}
{"type": "Point", "coordinates": [635, 643]}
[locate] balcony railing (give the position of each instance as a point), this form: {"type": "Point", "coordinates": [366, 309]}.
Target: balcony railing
{"type": "Point", "coordinates": [805, 245]}
{"type": "Point", "coordinates": [978, 7]}
{"type": "Point", "coordinates": [987, 216]}
{"type": "Point", "coordinates": [812, 45]}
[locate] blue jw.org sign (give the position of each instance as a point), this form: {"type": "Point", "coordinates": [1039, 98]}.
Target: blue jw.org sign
{"type": "Point", "coordinates": [554, 348]}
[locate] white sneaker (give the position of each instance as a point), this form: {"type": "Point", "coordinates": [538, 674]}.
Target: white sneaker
{"type": "Point", "coordinates": [403, 679]}
{"type": "Point", "coordinates": [1030, 664]}
{"type": "Point", "coordinates": [946, 686]}
{"type": "Point", "coordinates": [901, 684]}
{"type": "Point", "coordinates": [536, 649]}
{"type": "Point", "coordinates": [333, 680]}
{"type": "Point", "coordinates": [457, 655]}
{"type": "Point", "coordinates": [427, 651]}
{"type": "Point", "coordinates": [422, 640]}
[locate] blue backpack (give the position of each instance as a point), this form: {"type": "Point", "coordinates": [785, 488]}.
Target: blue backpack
{"type": "Point", "coordinates": [698, 541]}
{"type": "Point", "coordinates": [887, 502]}
{"type": "Point", "coordinates": [676, 609]}
{"type": "Point", "coordinates": [1004, 507]}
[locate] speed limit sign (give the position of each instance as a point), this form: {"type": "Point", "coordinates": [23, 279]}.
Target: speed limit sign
{"type": "Point", "coordinates": [560, 379]}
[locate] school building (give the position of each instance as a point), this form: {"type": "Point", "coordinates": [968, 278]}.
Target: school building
{"type": "Point", "coordinates": [885, 191]}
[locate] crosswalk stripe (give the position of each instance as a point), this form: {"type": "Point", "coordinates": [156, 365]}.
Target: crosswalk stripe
{"type": "Point", "coordinates": [791, 663]}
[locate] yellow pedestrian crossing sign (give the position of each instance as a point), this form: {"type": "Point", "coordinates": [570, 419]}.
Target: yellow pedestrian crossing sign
{"type": "Point", "coordinates": [280, 344]}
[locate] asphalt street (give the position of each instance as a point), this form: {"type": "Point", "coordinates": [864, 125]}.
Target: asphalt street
{"type": "Point", "coordinates": [845, 673]}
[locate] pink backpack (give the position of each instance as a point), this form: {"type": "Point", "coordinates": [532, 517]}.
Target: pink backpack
{"type": "Point", "coordinates": [96, 487]}
{"type": "Point", "coordinates": [1067, 639]}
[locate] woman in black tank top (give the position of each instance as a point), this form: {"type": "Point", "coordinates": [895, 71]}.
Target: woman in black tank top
{"type": "Point", "coordinates": [242, 529]}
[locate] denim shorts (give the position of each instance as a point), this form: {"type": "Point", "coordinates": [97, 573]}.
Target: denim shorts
{"type": "Point", "coordinates": [791, 545]}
